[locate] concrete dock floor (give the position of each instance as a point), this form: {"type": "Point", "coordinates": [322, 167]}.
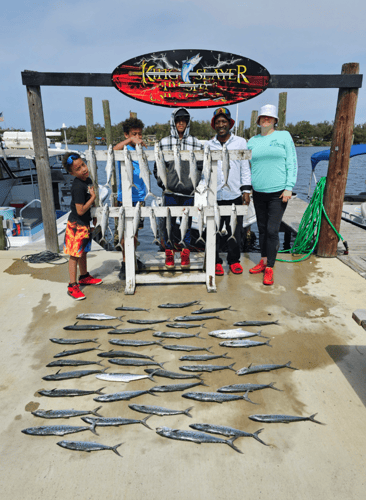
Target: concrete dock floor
{"type": "Point", "coordinates": [313, 302]}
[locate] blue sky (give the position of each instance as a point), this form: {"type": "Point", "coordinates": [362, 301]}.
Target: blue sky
{"type": "Point", "coordinates": [286, 36]}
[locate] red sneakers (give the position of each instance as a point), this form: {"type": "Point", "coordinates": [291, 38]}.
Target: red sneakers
{"type": "Point", "coordinates": [236, 268]}
{"type": "Point", "coordinates": [268, 276]}
{"type": "Point", "coordinates": [89, 280]}
{"type": "Point", "coordinates": [219, 270]}
{"type": "Point", "coordinates": [169, 259]}
{"type": "Point", "coordinates": [259, 268]}
{"type": "Point", "coordinates": [75, 292]}
{"type": "Point", "coordinates": [184, 258]}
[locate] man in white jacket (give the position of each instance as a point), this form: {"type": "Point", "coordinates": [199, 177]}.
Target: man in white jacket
{"type": "Point", "coordinates": [239, 182]}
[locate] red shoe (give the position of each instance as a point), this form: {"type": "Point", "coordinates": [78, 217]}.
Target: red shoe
{"type": "Point", "coordinates": [75, 292]}
{"type": "Point", "coordinates": [259, 268]}
{"type": "Point", "coordinates": [184, 258]}
{"type": "Point", "coordinates": [219, 270]}
{"type": "Point", "coordinates": [268, 276]}
{"type": "Point", "coordinates": [169, 259]}
{"type": "Point", "coordinates": [89, 280]}
{"type": "Point", "coordinates": [236, 268]}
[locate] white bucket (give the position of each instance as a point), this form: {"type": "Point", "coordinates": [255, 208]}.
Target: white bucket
{"type": "Point", "coordinates": [7, 213]}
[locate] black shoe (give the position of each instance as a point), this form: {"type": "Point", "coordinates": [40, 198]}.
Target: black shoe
{"type": "Point", "coordinates": [122, 272]}
{"type": "Point", "coordinates": [140, 266]}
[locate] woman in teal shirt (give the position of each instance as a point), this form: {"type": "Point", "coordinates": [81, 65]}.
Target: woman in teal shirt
{"type": "Point", "coordinates": [274, 173]}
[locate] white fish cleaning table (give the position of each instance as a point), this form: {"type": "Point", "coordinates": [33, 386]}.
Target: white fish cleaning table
{"type": "Point", "coordinates": [207, 276]}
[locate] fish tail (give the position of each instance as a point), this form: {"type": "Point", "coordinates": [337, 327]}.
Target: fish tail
{"type": "Point", "coordinates": [255, 435]}
{"type": "Point", "coordinates": [230, 442]}
{"type": "Point", "coordinates": [208, 348]}
{"type": "Point", "coordinates": [114, 449]}
{"type": "Point", "coordinates": [200, 239]}
{"type": "Point", "coordinates": [180, 182]}
{"type": "Point", "coordinates": [271, 385]}
{"type": "Point", "coordinates": [99, 391]}
{"type": "Point", "coordinates": [276, 322]}
{"type": "Point", "coordinates": [169, 241]}
{"type": "Point", "coordinates": [232, 237]}
{"type": "Point", "coordinates": [104, 369]}
{"type": "Point", "coordinates": [95, 412]}
{"type": "Point", "coordinates": [203, 326]}
{"type": "Point", "coordinates": [120, 317]}
{"type": "Point", "coordinates": [186, 412]}
{"type": "Point", "coordinates": [119, 246]}
{"type": "Point", "coordinates": [231, 367]}
{"type": "Point", "coordinates": [316, 421]}
{"type": "Point", "coordinates": [218, 232]}
{"type": "Point", "coordinates": [226, 357]}
{"type": "Point", "coordinates": [150, 391]}
{"type": "Point", "coordinates": [198, 335]}
{"type": "Point", "coordinates": [226, 185]}
{"type": "Point", "coordinates": [133, 185]}
{"type": "Point", "coordinates": [92, 428]}
{"type": "Point", "coordinates": [102, 239]}
{"type": "Point", "coordinates": [288, 366]}
{"type": "Point", "coordinates": [246, 397]}
{"type": "Point", "coordinates": [162, 364]}
{"type": "Point", "coordinates": [182, 243]}
{"type": "Point", "coordinates": [149, 194]}
{"type": "Point", "coordinates": [203, 383]}
{"type": "Point", "coordinates": [155, 240]}
{"type": "Point", "coordinates": [268, 343]}
{"type": "Point", "coordinates": [152, 373]}
{"type": "Point", "coordinates": [259, 335]}
{"type": "Point", "coordinates": [144, 422]}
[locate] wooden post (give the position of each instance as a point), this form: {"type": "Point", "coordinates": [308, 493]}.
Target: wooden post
{"type": "Point", "coordinates": [338, 165]}
{"type": "Point", "coordinates": [2, 234]}
{"type": "Point", "coordinates": [253, 124]}
{"type": "Point", "coordinates": [43, 168]}
{"type": "Point", "coordinates": [241, 128]}
{"type": "Point", "coordinates": [109, 140]}
{"type": "Point", "coordinates": [133, 115]}
{"type": "Point", "coordinates": [91, 142]}
{"type": "Point", "coordinates": [282, 106]}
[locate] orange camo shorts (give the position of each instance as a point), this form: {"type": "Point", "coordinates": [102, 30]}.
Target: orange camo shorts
{"type": "Point", "coordinates": [77, 239]}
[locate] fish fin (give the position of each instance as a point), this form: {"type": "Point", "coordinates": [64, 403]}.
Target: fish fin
{"type": "Point", "coordinates": [95, 412]}
{"type": "Point", "coordinates": [230, 442]}
{"type": "Point", "coordinates": [288, 366]}
{"type": "Point", "coordinates": [271, 385]}
{"type": "Point", "coordinates": [250, 365]}
{"type": "Point", "coordinates": [316, 421]}
{"type": "Point", "coordinates": [268, 343]}
{"type": "Point", "coordinates": [99, 390]}
{"type": "Point", "coordinates": [246, 397]}
{"type": "Point", "coordinates": [114, 449]}
{"type": "Point", "coordinates": [92, 428]}
{"type": "Point", "coordinates": [231, 367]}
{"type": "Point", "coordinates": [186, 412]}
{"type": "Point", "coordinates": [58, 371]}
{"type": "Point", "coordinates": [255, 435]}
{"type": "Point", "coordinates": [144, 421]}
{"type": "Point", "coordinates": [226, 357]}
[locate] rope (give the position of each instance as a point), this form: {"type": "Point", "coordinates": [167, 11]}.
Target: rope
{"type": "Point", "coordinates": [309, 230]}
{"type": "Point", "coordinates": [44, 257]}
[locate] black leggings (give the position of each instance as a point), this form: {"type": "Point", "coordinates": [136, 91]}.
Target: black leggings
{"type": "Point", "coordinates": [269, 209]}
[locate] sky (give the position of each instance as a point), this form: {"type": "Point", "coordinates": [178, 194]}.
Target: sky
{"type": "Point", "coordinates": [286, 37]}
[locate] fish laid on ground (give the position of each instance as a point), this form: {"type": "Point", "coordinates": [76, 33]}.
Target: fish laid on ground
{"type": "Point", "coordinates": [123, 354]}
{"type": "Point", "coordinates": [176, 335]}
{"type": "Point", "coordinates": [134, 362]}
{"type": "Point", "coordinates": [225, 165]}
{"type": "Point", "coordinates": [285, 419]}
{"type": "Point", "coordinates": [147, 321]}
{"type": "Point", "coordinates": [144, 170]}
{"type": "Point", "coordinates": [82, 328]}
{"type": "Point", "coordinates": [73, 341]}
{"type": "Point", "coordinates": [62, 393]}
{"type": "Point", "coordinates": [160, 164]}
{"type": "Point", "coordinates": [226, 431]}
{"type": "Point", "coordinates": [179, 306]}
{"type": "Point", "coordinates": [136, 218]}
{"type": "Point", "coordinates": [56, 430]}
{"type": "Point", "coordinates": [214, 397]}
{"type": "Point", "coordinates": [154, 225]}
{"type": "Point", "coordinates": [166, 374]}
{"type": "Point", "coordinates": [178, 163]}
{"type": "Point", "coordinates": [114, 421]}
{"type": "Point", "coordinates": [247, 387]}
{"type": "Point", "coordinates": [184, 325]}
{"type": "Point", "coordinates": [73, 374]}
{"type": "Point", "coordinates": [195, 318]}
{"type": "Point", "coordinates": [135, 343]}
{"type": "Point", "coordinates": [206, 368]}
{"type": "Point", "coordinates": [233, 221]}
{"type": "Point", "coordinates": [235, 334]}
{"type": "Point", "coordinates": [243, 343]}
{"type": "Point", "coordinates": [200, 223]}
{"type": "Point", "coordinates": [207, 167]}
{"type": "Point", "coordinates": [128, 331]}
{"type": "Point", "coordinates": [255, 323]}
{"type": "Point", "coordinates": [195, 437]}
{"type": "Point", "coordinates": [193, 171]}
{"type": "Point", "coordinates": [97, 316]}
{"type": "Point", "coordinates": [188, 348]}
{"type": "Point", "coordinates": [75, 351]}
{"type": "Point", "coordinates": [203, 357]}
{"type": "Point", "coordinates": [65, 413]}
{"type": "Point", "coordinates": [129, 167]}
{"type": "Point", "coordinates": [160, 411]}
{"type": "Point", "coordinates": [263, 368]}
{"type": "Point", "coordinates": [88, 446]}
{"type": "Point", "coordinates": [168, 224]}
{"type": "Point", "coordinates": [217, 218]}
{"type": "Point", "coordinates": [104, 223]}
{"type": "Point", "coordinates": [121, 226]}
{"type": "Point", "coordinates": [184, 226]}
{"type": "Point", "coordinates": [124, 377]}
{"type": "Point", "coordinates": [121, 396]}
{"type": "Point", "coordinates": [127, 308]}
{"type": "Point", "coordinates": [212, 310]}
{"type": "Point", "coordinates": [176, 387]}
{"type": "Point", "coordinates": [73, 362]}
{"type": "Point", "coordinates": [109, 165]}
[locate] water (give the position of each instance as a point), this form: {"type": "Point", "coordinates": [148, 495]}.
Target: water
{"type": "Point", "coordinates": [355, 184]}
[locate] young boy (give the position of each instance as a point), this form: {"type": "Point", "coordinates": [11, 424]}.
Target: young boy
{"type": "Point", "coordinates": [77, 237]}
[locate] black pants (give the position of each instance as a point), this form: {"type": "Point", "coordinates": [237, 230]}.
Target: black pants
{"type": "Point", "coordinates": [269, 209]}
{"type": "Point", "coordinates": [233, 254]}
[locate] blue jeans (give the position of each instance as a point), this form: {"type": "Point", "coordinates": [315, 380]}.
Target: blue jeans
{"type": "Point", "coordinates": [174, 200]}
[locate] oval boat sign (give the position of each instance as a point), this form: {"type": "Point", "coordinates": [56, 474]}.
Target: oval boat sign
{"type": "Point", "coordinates": [191, 78]}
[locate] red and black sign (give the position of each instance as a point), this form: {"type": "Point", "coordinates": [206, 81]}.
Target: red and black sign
{"type": "Point", "coordinates": [191, 78]}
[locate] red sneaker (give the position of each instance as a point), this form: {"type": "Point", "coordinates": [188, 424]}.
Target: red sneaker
{"type": "Point", "coordinates": [268, 276]}
{"type": "Point", "coordinates": [75, 292]}
{"type": "Point", "coordinates": [236, 268]}
{"type": "Point", "coordinates": [89, 280]}
{"type": "Point", "coordinates": [184, 258]}
{"type": "Point", "coordinates": [219, 270]}
{"type": "Point", "coordinates": [169, 259]}
{"type": "Point", "coordinates": [259, 268]}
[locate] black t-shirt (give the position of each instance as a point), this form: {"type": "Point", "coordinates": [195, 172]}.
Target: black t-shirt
{"type": "Point", "coordinates": [80, 195]}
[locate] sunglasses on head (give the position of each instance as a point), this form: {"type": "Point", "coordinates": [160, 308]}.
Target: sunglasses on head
{"type": "Point", "coordinates": [222, 111]}
{"type": "Point", "coordinates": [71, 158]}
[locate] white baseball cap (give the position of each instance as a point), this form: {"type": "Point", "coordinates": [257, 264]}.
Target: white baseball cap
{"type": "Point", "coordinates": [268, 110]}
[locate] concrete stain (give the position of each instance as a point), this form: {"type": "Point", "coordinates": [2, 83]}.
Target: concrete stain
{"type": "Point", "coordinates": [17, 417]}
{"type": "Point", "coordinates": [31, 406]}
{"type": "Point", "coordinates": [53, 273]}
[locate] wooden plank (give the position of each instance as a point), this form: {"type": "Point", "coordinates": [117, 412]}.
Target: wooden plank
{"type": "Point", "coordinates": [282, 106]}
{"type": "Point", "coordinates": [253, 130]}
{"type": "Point", "coordinates": [2, 234]}
{"type": "Point", "coordinates": [35, 78]}
{"type": "Point", "coordinates": [184, 277]}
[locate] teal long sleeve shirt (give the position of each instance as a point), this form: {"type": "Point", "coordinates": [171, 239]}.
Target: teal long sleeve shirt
{"type": "Point", "coordinates": [274, 162]}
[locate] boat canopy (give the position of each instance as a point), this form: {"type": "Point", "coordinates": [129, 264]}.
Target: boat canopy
{"type": "Point", "coordinates": [359, 149]}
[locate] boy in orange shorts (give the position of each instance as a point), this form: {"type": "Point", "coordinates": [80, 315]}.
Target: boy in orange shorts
{"type": "Point", "coordinates": [78, 238]}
